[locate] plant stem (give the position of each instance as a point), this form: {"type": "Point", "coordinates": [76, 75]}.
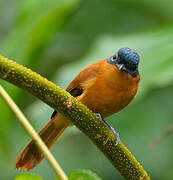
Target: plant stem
{"type": "Point", "coordinates": [80, 115]}
{"type": "Point", "coordinates": [22, 119]}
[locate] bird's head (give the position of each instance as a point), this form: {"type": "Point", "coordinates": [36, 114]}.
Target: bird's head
{"type": "Point", "coordinates": [126, 60]}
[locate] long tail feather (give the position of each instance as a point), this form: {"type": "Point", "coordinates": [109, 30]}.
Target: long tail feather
{"type": "Point", "coordinates": [31, 156]}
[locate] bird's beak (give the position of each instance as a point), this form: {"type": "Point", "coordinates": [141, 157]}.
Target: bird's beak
{"type": "Point", "coordinates": [121, 66]}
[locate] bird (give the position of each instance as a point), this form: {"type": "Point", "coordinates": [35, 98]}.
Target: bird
{"type": "Point", "coordinates": [105, 87]}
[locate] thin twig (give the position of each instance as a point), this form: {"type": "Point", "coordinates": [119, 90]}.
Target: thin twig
{"type": "Point", "coordinates": [22, 119]}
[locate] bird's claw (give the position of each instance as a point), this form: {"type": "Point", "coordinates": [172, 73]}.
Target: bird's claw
{"type": "Point", "coordinates": [109, 126]}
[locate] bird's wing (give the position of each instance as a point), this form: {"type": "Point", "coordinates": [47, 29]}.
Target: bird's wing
{"type": "Point", "coordinates": [75, 88]}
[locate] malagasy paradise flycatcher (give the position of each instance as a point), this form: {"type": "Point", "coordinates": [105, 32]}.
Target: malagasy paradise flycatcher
{"type": "Point", "coordinates": [105, 87]}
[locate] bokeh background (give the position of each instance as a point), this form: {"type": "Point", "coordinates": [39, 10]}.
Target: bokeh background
{"type": "Point", "coordinates": [57, 39]}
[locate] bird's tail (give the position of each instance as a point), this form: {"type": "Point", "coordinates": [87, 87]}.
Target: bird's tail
{"type": "Point", "coordinates": [31, 156]}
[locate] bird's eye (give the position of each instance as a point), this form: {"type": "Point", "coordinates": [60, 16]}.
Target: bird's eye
{"type": "Point", "coordinates": [115, 56]}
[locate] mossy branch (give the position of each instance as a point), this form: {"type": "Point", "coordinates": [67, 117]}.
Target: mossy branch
{"type": "Point", "coordinates": [83, 118]}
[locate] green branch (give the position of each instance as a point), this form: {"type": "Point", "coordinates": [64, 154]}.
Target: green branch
{"type": "Point", "coordinates": [76, 112]}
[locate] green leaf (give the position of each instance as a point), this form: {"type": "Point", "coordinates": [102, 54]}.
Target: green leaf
{"type": "Point", "coordinates": [83, 175]}
{"type": "Point", "coordinates": [28, 177]}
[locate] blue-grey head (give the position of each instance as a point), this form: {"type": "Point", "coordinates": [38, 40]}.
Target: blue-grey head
{"type": "Point", "coordinates": [126, 60]}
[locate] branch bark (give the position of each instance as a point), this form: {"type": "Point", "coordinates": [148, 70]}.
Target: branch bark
{"type": "Point", "coordinates": [83, 118]}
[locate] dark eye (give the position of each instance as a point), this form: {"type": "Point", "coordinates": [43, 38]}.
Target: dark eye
{"type": "Point", "coordinates": [115, 56]}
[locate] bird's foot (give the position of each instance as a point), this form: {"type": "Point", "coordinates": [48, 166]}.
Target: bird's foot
{"type": "Point", "coordinates": [109, 126]}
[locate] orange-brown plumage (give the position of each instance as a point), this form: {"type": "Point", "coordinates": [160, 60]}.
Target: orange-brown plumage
{"type": "Point", "coordinates": [103, 87]}
{"type": "Point", "coordinates": [107, 90]}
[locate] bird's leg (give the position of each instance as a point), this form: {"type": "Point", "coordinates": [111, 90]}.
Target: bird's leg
{"type": "Point", "coordinates": [109, 126]}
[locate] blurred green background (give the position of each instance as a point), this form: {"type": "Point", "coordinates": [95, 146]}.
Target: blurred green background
{"type": "Point", "coordinates": [57, 39]}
